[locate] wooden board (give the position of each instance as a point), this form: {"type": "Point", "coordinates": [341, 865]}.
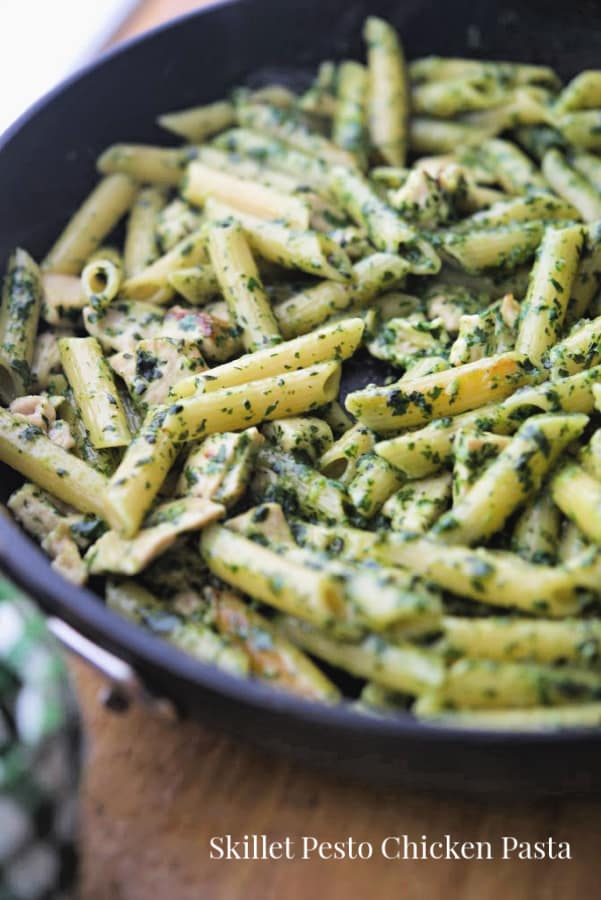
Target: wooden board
{"type": "Point", "coordinates": [155, 793]}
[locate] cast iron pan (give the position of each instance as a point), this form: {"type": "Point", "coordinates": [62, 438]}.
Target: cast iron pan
{"type": "Point", "coordinates": [47, 167]}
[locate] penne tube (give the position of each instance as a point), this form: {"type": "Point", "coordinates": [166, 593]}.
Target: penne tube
{"type": "Point", "coordinates": [473, 451]}
{"type": "Point", "coordinates": [259, 571]}
{"type": "Point", "coordinates": [19, 316]}
{"type": "Point", "coordinates": [280, 125]}
{"type": "Point", "coordinates": [305, 487]}
{"type": "Point", "coordinates": [487, 684]}
{"type": "Point", "coordinates": [581, 128]}
{"type": "Point", "coordinates": [512, 479]}
{"type": "Point", "coordinates": [134, 602]}
{"type": "Point", "coordinates": [337, 341]}
{"type": "Point", "coordinates": [590, 455]}
{"type": "Point", "coordinates": [427, 450]}
{"type": "Point", "coordinates": [337, 418]}
{"type": "Point", "coordinates": [531, 719]}
{"type": "Point", "coordinates": [502, 247]}
{"type": "Point", "coordinates": [487, 333]}
{"type": "Point", "coordinates": [534, 206]}
{"type": "Point", "coordinates": [152, 282]}
{"type": "Point", "coordinates": [94, 392]}
{"type": "Point", "coordinates": [349, 124]}
{"type": "Point", "coordinates": [175, 222]}
{"type": "Point", "coordinates": [88, 227]}
{"type": "Point", "coordinates": [311, 252]}
{"type": "Point", "coordinates": [450, 392]}
{"type": "Point", "coordinates": [323, 212]}
{"type": "Point", "coordinates": [307, 436]}
{"type": "Point", "coordinates": [198, 284]}
{"type": "Point", "coordinates": [493, 577]}
{"type": "Point", "coordinates": [388, 92]}
{"type": "Point", "coordinates": [519, 106]}
{"type": "Point", "coordinates": [446, 99]}
{"type": "Point", "coordinates": [588, 277]}
{"type": "Point", "coordinates": [277, 154]}
{"type": "Point", "coordinates": [582, 92]}
{"type": "Point", "coordinates": [428, 135]}
{"type": "Point", "coordinates": [197, 123]}
{"type": "Point", "coordinates": [416, 506]}
{"type": "Point", "coordinates": [373, 483]}
{"type": "Point", "coordinates": [400, 667]}
{"type": "Point", "coordinates": [385, 229]}
{"type": "Point", "coordinates": [104, 461]}
{"type": "Point", "coordinates": [27, 450]}
{"type": "Point", "coordinates": [541, 640]}
{"type": "Point", "coordinates": [320, 98]}
{"type": "Point", "coordinates": [589, 165]}
{"type": "Point", "coordinates": [63, 299]}
{"type": "Point", "coordinates": [571, 185]}
{"type": "Point", "coordinates": [138, 478]}
{"type": "Point", "coordinates": [340, 460]}
{"type": "Point", "coordinates": [580, 350]}
{"type": "Point", "coordinates": [246, 195]}
{"type": "Point", "coordinates": [272, 657]}
{"type": "Point", "coordinates": [578, 496]}
{"type": "Point", "coordinates": [441, 68]}
{"type": "Point", "coordinates": [156, 165]}
{"type": "Point", "coordinates": [308, 309]}
{"type": "Point", "coordinates": [243, 405]}
{"type": "Point", "coordinates": [514, 171]}
{"type": "Point", "coordinates": [140, 249]}
{"type": "Point", "coordinates": [572, 543]}
{"type": "Point", "coordinates": [241, 286]}
{"type": "Point", "coordinates": [549, 291]}
{"type": "Point", "coordinates": [102, 276]}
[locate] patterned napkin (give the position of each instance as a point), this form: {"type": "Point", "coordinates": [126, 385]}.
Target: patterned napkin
{"type": "Point", "coordinates": [39, 757]}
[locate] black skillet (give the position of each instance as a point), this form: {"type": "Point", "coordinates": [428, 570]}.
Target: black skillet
{"type": "Point", "coordinates": [47, 167]}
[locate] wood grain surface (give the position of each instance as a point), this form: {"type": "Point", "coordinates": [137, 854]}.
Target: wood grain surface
{"type": "Point", "coordinates": [155, 793]}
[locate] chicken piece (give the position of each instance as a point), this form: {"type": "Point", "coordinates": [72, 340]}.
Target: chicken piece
{"type": "Point", "coordinates": [60, 433]}
{"type": "Point", "coordinates": [66, 558]}
{"type": "Point", "coordinates": [155, 366]}
{"type": "Point", "coordinates": [38, 409]}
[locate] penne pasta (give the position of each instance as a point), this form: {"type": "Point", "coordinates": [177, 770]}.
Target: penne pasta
{"type": "Point", "coordinates": [19, 316]}
{"type": "Point", "coordinates": [420, 244]}
{"type": "Point", "coordinates": [246, 195]}
{"type": "Point", "coordinates": [549, 291]}
{"type": "Point", "coordinates": [450, 392]}
{"type": "Point", "coordinates": [198, 123]}
{"type": "Point", "coordinates": [140, 248]}
{"type": "Point", "coordinates": [337, 341]}
{"type": "Point", "coordinates": [155, 165]}
{"type": "Point", "coordinates": [94, 392]}
{"type": "Point", "coordinates": [243, 405]}
{"type": "Point", "coordinates": [388, 95]}
{"type": "Point", "coordinates": [241, 286]}
{"type": "Point", "coordinates": [89, 226]}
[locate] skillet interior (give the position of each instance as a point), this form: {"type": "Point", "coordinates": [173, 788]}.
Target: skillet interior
{"type": "Point", "coordinates": [46, 168]}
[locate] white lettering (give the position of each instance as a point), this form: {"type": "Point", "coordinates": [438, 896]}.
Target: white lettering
{"type": "Point", "coordinates": [390, 847]}
{"type": "Point", "coordinates": [216, 848]}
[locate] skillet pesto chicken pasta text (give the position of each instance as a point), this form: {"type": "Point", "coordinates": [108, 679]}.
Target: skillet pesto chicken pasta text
{"type": "Point", "coordinates": [173, 398]}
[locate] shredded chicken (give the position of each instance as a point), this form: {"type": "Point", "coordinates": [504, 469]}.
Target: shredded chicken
{"type": "Point", "coordinates": [60, 433]}
{"type": "Point", "coordinates": [37, 409]}
{"type": "Point", "coordinates": [66, 558]}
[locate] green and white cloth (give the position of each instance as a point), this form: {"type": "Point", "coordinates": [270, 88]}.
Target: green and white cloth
{"type": "Point", "coordinates": [39, 757]}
